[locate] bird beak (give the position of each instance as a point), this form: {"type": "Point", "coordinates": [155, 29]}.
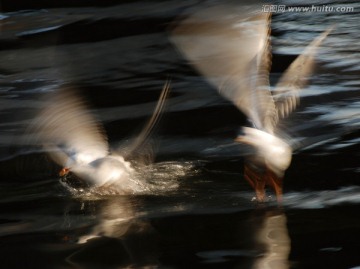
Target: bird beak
{"type": "Point", "coordinates": [63, 172]}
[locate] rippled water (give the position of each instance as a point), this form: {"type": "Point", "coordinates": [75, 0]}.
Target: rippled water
{"type": "Point", "coordinates": [196, 211]}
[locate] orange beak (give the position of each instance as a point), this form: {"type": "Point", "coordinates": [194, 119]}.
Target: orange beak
{"type": "Point", "coordinates": [64, 171]}
{"type": "Point", "coordinates": [258, 180]}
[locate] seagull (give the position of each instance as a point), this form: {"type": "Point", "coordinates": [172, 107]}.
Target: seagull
{"type": "Point", "coordinates": [230, 46]}
{"type": "Point", "coordinates": [76, 141]}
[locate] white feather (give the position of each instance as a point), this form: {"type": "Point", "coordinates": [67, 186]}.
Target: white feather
{"type": "Point", "coordinates": [230, 45]}
{"type": "Point", "coordinates": [75, 139]}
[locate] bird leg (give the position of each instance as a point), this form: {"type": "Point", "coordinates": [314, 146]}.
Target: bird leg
{"type": "Point", "coordinates": [276, 183]}
{"type": "Point", "coordinates": [257, 181]}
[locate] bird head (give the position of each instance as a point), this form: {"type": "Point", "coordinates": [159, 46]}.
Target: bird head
{"type": "Point", "coordinates": [70, 179]}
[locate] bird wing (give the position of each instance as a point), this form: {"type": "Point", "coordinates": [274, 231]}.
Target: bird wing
{"type": "Point", "coordinates": [68, 130]}
{"type": "Point", "coordinates": [143, 137]}
{"type": "Point", "coordinates": [230, 45]}
{"type": "Point", "coordinates": [296, 77]}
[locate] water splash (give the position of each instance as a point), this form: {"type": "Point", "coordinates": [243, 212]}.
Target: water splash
{"type": "Point", "coordinates": [155, 179]}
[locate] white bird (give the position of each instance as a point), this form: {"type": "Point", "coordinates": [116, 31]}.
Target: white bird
{"type": "Point", "coordinates": [230, 45]}
{"type": "Point", "coordinates": [76, 141]}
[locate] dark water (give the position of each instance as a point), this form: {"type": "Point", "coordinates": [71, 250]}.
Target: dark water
{"type": "Point", "coordinates": [198, 211]}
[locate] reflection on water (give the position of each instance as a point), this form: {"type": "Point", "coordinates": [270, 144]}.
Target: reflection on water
{"type": "Point", "coordinates": [120, 229]}
{"type": "Point", "coordinates": [122, 238]}
{"type": "Point", "coordinates": [274, 235]}
{"type": "Point", "coordinates": [198, 224]}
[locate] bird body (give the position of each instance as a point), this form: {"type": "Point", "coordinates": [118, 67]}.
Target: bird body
{"type": "Point", "coordinates": [271, 151]}
{"type": "Point", "coordinates": [109, 170]}
{"type": "Point", "coordinates": [75, 140]}
{"type": "Point", "coordinates": [230, 45]}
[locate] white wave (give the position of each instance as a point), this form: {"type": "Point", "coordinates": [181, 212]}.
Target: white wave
{"type": "Point", "coordinates": [322, 199]}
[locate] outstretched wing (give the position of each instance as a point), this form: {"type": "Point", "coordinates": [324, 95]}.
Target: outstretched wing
{"type": "Point", "coordinates": [68, 130]}
{"type": "Point", "coordinates": [140, 141]}
{"type": "Point", "coordinates": [229, 44]}
{"type": "Point", "coordinates": [295, 78]}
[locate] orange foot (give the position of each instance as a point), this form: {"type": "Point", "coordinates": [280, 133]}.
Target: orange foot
{"type": "Point", "coordinates": [275, 182]}
{"type": "Point", "coordinates": [259, 179]}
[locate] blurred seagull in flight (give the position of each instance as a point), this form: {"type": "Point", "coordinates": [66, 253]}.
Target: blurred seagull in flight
{"type": "Point", "coordinates": [230, 45]}
{"type": "Point", "coordinates": [76, 141]}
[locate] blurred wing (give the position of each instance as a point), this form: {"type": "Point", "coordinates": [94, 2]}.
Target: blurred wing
{"type": "Point", "coordinates": [295, 78]}
{"type": "Point", "coordinates": [68, 130]}
{"type": "Point", "coordinates": [262, 106]}
{"type": "Point", "coordinates": [143, 137]}
{"type": "Point", "coordinates": [230, 45]}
